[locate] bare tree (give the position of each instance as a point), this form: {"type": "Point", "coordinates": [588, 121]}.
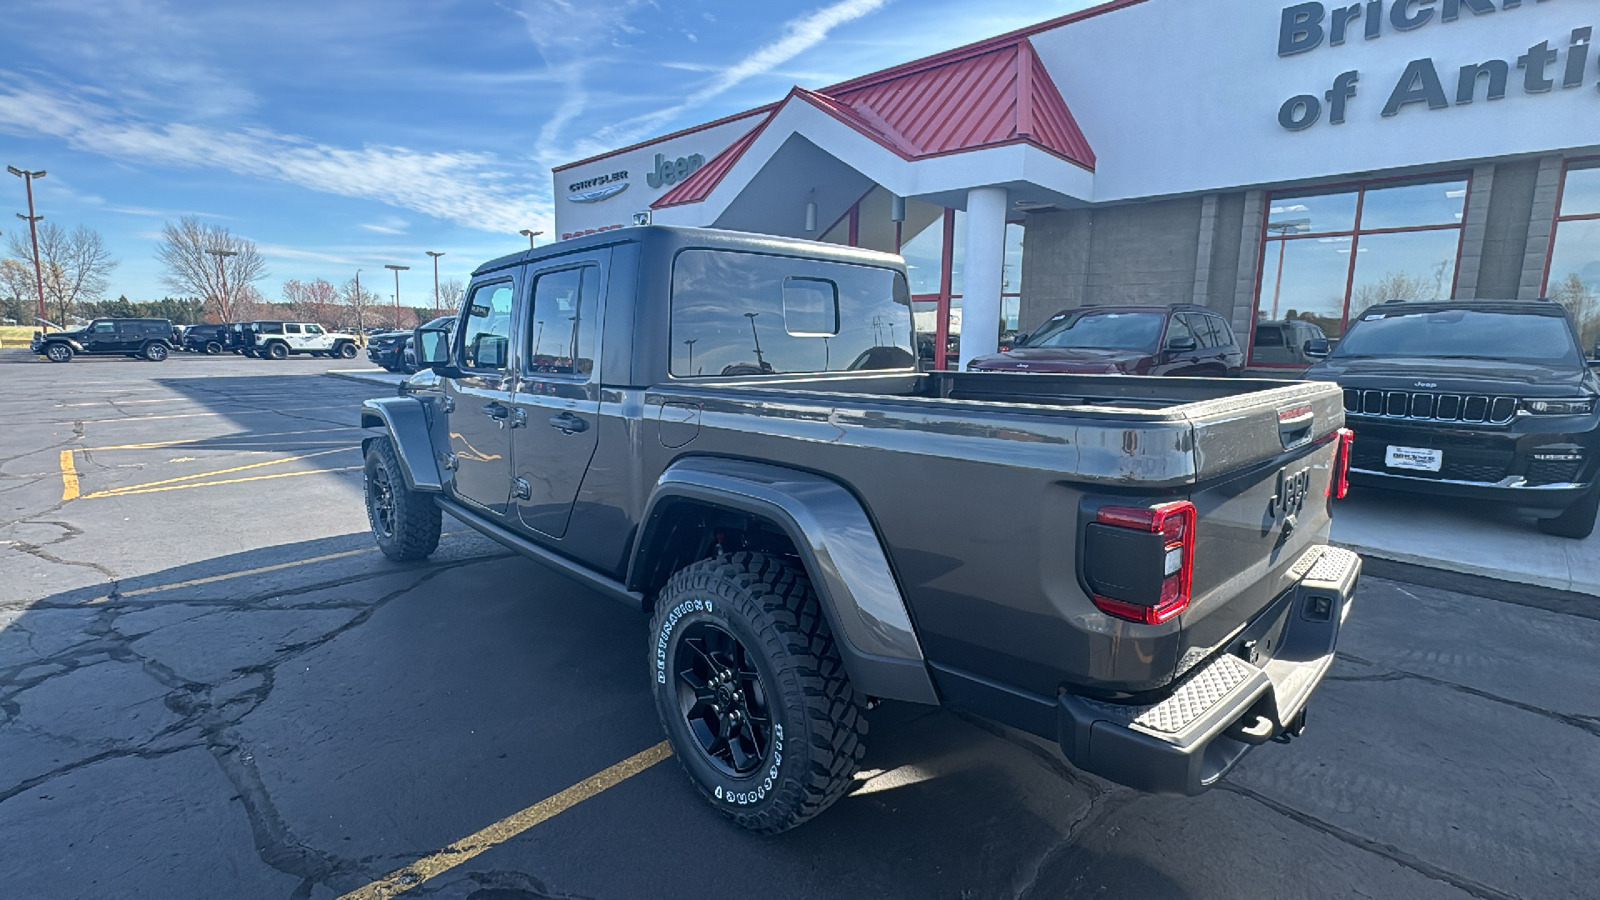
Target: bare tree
{"type": "Point", "coordinates": [359, 303]}
{"type": "Point", "coordinates": [1583, 303]}
{"type": "Point", "coordinates": [450, 291]}
{"type": "Point", "coordinates": [221, 277]}
{"type": "Point", "coordinates": [76, 265]}
{"type": "Point", "coordinates": [311, 301]}
{"type": "Point", "coordinates": [16, 283]}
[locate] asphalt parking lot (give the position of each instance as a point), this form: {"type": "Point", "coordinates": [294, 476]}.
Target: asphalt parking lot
{"type": "Point", "coordinates": [212, 685]}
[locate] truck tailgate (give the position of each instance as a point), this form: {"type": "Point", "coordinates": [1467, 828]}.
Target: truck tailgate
{"type": "Point", "coordinates": [1265, 465]}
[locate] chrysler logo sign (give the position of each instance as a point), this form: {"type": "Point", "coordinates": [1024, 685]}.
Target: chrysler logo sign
{"type": "Point", "coordinates": [593, 190]}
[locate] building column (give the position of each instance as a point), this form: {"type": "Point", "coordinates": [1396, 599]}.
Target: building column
{"type": "Point", "coordinates": [1474, 231]}
{"type": "Point", "coordinates": [983, 272]}
{"type": "Point", "coordinates": [1540, 227]}
{"type": "Point", "coordinates": [1204, 249]}
{"type": "Point", "coordinates": [1245, 289]}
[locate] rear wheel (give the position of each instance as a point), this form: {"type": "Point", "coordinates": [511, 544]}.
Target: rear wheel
{"type": "Point", "coordinates": [404, 522]}
{"type": "Point", "coordinates": [155, 352]}
{"type": "Point", "coordinates": [278, 351]}
{"type": "Point", "coordinates": [752, 692]}
{"type": "Point", "coordinates": [1578, 521]}
{"type": "Point", "coordinates": [58, 352]}
{"type": "Point", "coordinates": [213, 348]}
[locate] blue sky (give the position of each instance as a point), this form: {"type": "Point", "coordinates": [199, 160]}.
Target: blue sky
{"type": "Point", "coordinates": [342, 134]}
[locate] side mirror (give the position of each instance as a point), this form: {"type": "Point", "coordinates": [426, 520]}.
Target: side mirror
{"type": "Point", "coordinates": [1020, 339]}
{"type": "Point", "coordinates": [1181, 345]}
{"type": "Point", "coordinates": [433, 349]}
{"type": "Point", "coordinates": [1317, 348]}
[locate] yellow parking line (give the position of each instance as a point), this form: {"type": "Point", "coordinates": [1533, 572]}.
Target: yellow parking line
{"type": "Point", "coordinates": [402, 880]}
{"type": "Point", "coordinates": [138, 488]}
{"type": "Point", "coordinates": [128, 492]}
{"type": "Point", "coordinates": [156, 445]}
{"type": "Point", "coordinates": [69, 477]}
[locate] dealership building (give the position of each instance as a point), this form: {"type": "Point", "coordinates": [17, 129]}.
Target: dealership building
{"type": "Point", "coordinates": [1278, 163]}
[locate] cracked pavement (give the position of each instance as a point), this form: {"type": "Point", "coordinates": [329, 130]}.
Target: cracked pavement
{"type": "Point", "coordinates": [213, 687]}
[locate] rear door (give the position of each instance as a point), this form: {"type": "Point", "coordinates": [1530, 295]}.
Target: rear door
{"type": "Point", "coordinates": [479, 402]}
{"type": "Point", "coordinates": [293, 336]}
{"type": "Point", "coordinates": [558, 395]}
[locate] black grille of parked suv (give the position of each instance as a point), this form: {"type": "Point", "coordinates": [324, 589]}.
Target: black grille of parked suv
{"type": "Point", "coordinates": [1431, 407]}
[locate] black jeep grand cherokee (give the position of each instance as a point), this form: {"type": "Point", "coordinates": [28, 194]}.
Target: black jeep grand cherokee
{"type": "Point", "coordinates": [1489, 400]}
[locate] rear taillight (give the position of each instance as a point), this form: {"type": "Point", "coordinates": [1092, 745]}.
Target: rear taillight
{"type": "Point", "coordinates": [1339, 483]}
{"type": "Point", "coordinates": [1145, 597]}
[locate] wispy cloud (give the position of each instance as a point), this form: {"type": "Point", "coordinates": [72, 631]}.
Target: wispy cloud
{"type": "Point", "coordinates": [470, 188]}
{"type": "Point", "coordinates": [391, 225]}
{"type": "Point", "coordinates": [799, 35]}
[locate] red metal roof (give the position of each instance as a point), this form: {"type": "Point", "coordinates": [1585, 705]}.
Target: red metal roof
{"type": "Point", "coordinates": [987, 96]}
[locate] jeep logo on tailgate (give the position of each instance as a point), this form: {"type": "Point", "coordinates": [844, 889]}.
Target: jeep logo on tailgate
{"type": "Point", "coordinates": [1290, 496]}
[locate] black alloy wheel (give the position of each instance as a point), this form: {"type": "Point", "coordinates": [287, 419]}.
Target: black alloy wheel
{"type": "Point", "coordinates": [347, 351]}
{"type": "Point", "coordinates": [722, 699]}
{"type": "Point", "coordinates": [278, 351]}
{"type": "Point", "coordinates": [405, 523]}
{"type": "Point", "coordinates": [380, 502]}
{"type": "Point", "coordinates": [213, 348]}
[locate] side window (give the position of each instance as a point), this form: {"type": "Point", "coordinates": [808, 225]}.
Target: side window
{"type": "Point", "coordinates": [291, 329]}
{"type": "Point", "coordinates": [743, 314]}
{"type": "Point", "coordinates": [810, 307]}
{"type": "Point", "coordinates": [562, 330]}
{"type": "Point", "coordinates": [1269, 336]}
{"type": "Point", "coordinates": [105, 327]}
{"type": "Point", "coordinates": [1178, 330]}
{"type": "Point", "coordinates": [1197, 327]}
{"type": "Point", "coordinates": [313, 329]}
{"type": "Point", "coordinates": [1219, 327]}
{"type": "Point", "coordinates": [487, 337]}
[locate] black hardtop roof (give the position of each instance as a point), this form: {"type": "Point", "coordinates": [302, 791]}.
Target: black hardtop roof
{"type": "Point", "coordinates": [1540, 307]}
{"type": "Point", "coordinates": [130, 319]}
{"type": "Point", "coordinates": [678, 237]}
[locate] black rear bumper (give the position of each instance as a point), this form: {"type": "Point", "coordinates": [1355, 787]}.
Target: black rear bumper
{"type": "Point", "coordinates": [1185, 743]}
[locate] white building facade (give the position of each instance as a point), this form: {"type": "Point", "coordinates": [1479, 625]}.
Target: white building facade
{"type": "Point", "coordinates": [1275, 162]}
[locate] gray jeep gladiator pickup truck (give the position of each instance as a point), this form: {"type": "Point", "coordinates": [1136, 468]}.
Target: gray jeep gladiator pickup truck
{"type": "Point", "coordinates": [730, 433]}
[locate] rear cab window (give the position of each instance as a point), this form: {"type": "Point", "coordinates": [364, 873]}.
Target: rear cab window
{"type": "Point", "coordinates": [737, 314]}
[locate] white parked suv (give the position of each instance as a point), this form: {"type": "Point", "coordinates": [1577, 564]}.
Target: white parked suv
{"type": "Point", "coordinates": [280, 340]}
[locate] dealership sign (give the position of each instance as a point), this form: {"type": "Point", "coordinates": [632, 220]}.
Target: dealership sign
{"type": "Point", "coordinates": [593, 190]}
{"type": "Point", "coordinates": [672, 171]}
{"type": "Point", "coordinates": [1308, 26]}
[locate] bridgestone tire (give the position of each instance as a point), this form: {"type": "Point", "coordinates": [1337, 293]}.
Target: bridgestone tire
{"type": "Point", "coordinates": [58, 352]}
{"type": "Point", "coordinates": [819, 724]}
{"type": "Point", "coordinates": [154, 352]}
{"type": "Point", "coordinates": [1579, 519]}
{"type": "Point", "coordinates": [213, 348]}
{"type": "Point", "coordinates": [347, 351]}
{"type": "Point", "coordinates": [278, 352]}
{"type": "Point", "coordinates": [410, 531]}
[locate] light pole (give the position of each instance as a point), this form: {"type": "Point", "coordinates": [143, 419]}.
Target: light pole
{"type": "Point", "coordinates": [33, 232]}
{"type": "Point", "coordinates": [1283, 230]}
{"type": "Point", "coordinates": [361, 325]}
{"type": "Point", "coordinates": [760, 363]}
{"type": "Point", "coordinates": [397, 270]}
{"type": "Point", "coordinates": [435, 255]}
{"type": "Point", "coordinates": [222, 275]}
{"type": "Point", "coordinates": [691, 342]}
{"type": "Point", "coordinates": [530, 236]}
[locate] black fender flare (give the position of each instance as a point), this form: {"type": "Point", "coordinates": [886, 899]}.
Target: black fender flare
{"type": "Point", "coordinates": [841, 550]}
{"type": "Point", "coordinates": [406, 422]}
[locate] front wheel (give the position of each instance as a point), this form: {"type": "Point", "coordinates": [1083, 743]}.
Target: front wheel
{"type": "Point", "coordinates": [213, 348]}
{"type": "Point", "coordinates": [752, 692]}
{"type": "Point", "coordinates": [405, 523]}
{"type": "Point", "coordinates": [58, 353]}
{"type": "Point", "coordinates": [1579, 519]}
{"type": "Point", "coordinates": [347, 351]}
{"type": "Point", "coordinates": [155, 352]}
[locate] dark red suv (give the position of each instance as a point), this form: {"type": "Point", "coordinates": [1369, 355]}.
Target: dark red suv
{"type": "Point", "coordinates": [1125, 340]}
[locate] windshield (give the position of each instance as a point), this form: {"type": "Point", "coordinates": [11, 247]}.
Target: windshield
{"type": "Point", "coordinates": [1463, 334]}
{"type": "Point", "coordinates": [1101, 331]}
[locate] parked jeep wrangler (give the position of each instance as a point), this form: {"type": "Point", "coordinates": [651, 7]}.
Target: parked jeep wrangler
{"type": "Point", "coordinates": [730, 434]}
{"type": "Point", "coordinates": [281, 340]}
{"type": "Point", "coordinates": [151, 339]}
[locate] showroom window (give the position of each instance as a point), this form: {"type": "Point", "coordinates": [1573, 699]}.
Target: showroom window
{"type": "Point", "coordinates": [1328, 254]}
{"type": "Point", "coordinates": [1574, 275]}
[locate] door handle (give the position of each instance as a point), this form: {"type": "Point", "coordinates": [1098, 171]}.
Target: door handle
{"type": "Point", "coordinates": [496, 411]}
{"type": "Point", "coordinates": [568, 423]}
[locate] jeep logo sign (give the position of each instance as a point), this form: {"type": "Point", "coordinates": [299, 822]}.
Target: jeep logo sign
{"type": "Point", "coordinates": [672, 171]}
